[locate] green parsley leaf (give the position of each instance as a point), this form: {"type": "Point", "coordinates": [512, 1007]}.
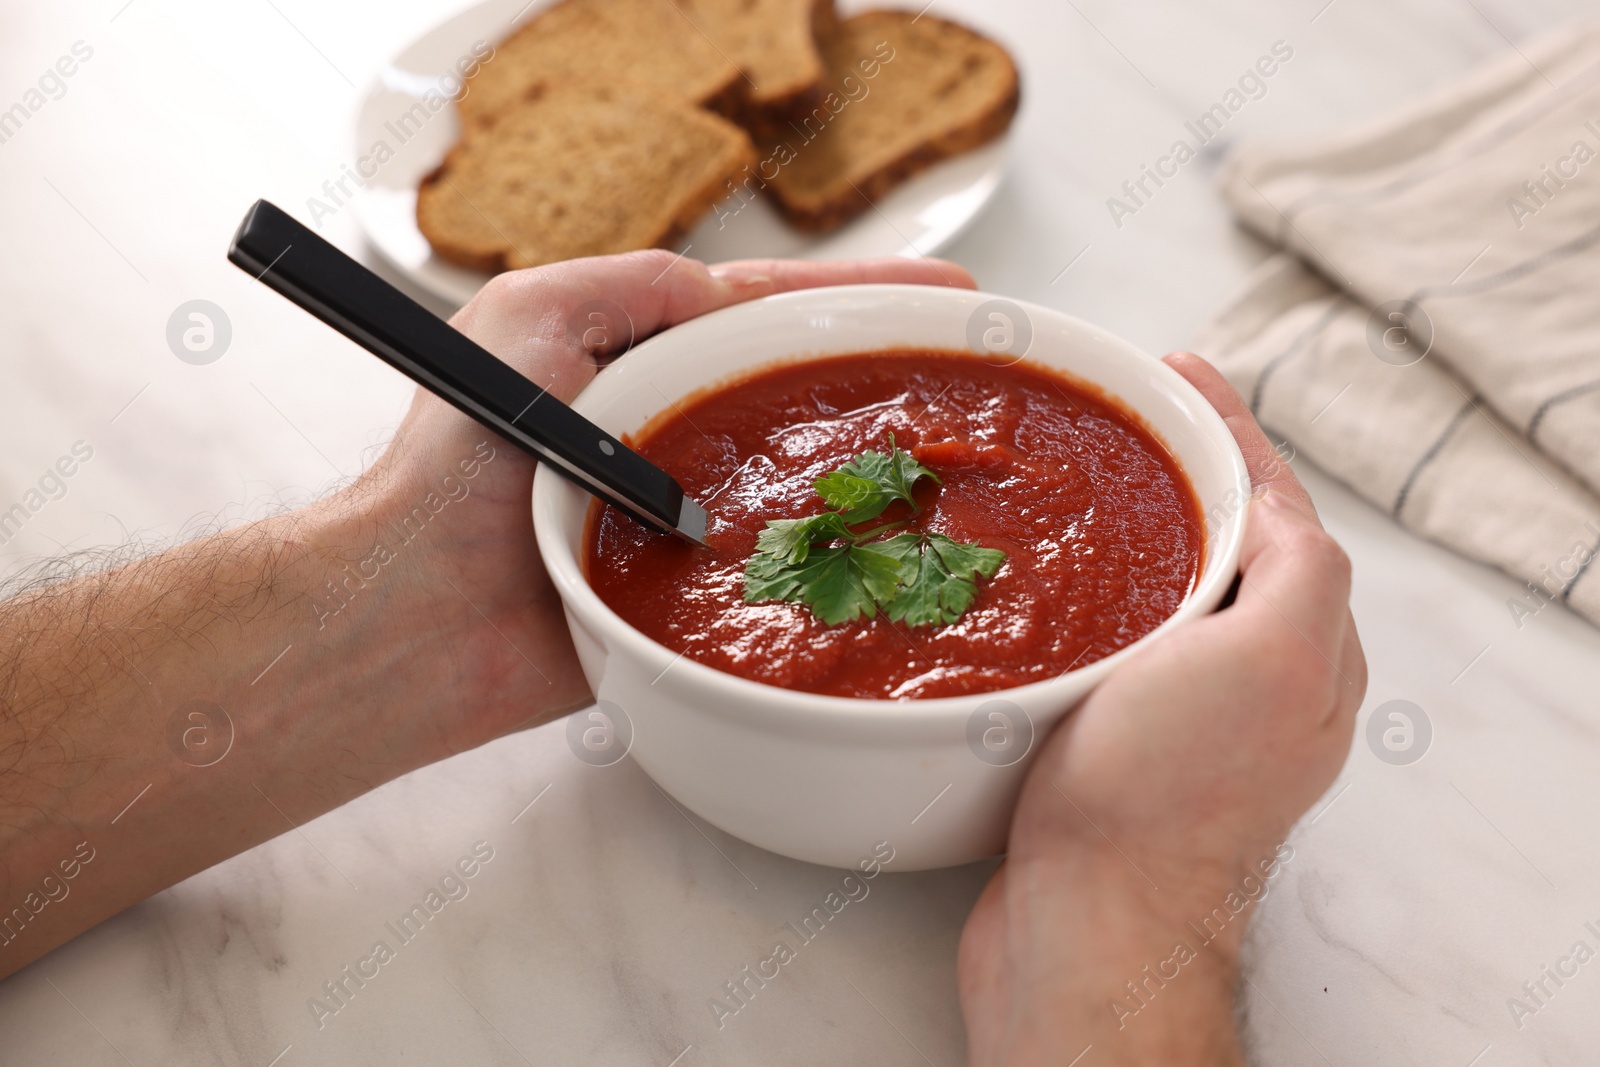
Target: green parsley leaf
{"type": "Point", "coordinates": [904, 547]}
{"type": "Point", "coordinates": [868, 484]}
{"type": "Point", "coordinates": [859, 498]}
{"type": "Point", "coordinates": [963, 560]}
{"type": "Point", "coordinates": [921, 579]}
{"type": "Point", "coordinates": [840, 582]}
{"type": "Point", "coordinates": [848, 581]}
{"type": "Point", "coordinates": [789, 540]}
{"type": "Point", "coordinates": [769, 578]}
{"type": "Point", "coordinates": [904, 472]}
{"type": "Point", "coordinates": [938, 578]}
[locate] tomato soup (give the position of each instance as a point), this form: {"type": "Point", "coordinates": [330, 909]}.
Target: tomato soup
{"type": "Point", "coordinates": [1101, 531]}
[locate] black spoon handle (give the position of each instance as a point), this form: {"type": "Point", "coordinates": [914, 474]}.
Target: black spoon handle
{"type": "Point", "coordinates": [286, 256]}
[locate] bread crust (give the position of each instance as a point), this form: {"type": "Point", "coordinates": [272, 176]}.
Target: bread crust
{"type": "Point", "coordinates": [765, 117]}
{"type": "Point", "coordinates": [492, 263]}
{"type": "Point", "coordinates": [835, 213]}
{"type": "Point", "coordinates": [770, 120]}
{"type": "Point", "coordinates": [693, 204]}
{"type": "Point", "coordinates": [702, 200]}
{"type": "Point", "coordinates": [482, 117]}
{"type": "Point", "coordinates": [823, 215]}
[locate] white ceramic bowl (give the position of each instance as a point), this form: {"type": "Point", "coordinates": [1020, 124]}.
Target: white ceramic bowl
{"type": "Point", "coordinates": [824, 778]}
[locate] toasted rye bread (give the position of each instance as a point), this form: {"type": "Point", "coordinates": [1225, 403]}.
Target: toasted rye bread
{"type": "Point", "coordinates": [906, 93]}
{"type": "Point", "coordinates": [773, 43]}
{"type": "Point", "coordinates": [649, 42]}
{"type": "Point", "coordinates": [579, 170]}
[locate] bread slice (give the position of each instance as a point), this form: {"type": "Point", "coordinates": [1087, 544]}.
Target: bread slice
{"type": "Point", "coordinates": [774, 45]}
{"type": "Point", "coordinates": [579, 170]}
{"type": "Point", "coordinates": [905, 92]}
{"type": "Point", "coordinates": [597, 42]}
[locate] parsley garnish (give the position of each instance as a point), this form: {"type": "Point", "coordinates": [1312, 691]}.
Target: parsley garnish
{"type": "Point", "coordinates": [921, 579]}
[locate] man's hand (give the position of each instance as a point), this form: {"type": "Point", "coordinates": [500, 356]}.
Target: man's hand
{"type": "Point", "coordinates": [1155, 813]}
{"type": "Point", "coordinates": [168, 714]}
{"type": "Point", "coordinates": [481, 567]}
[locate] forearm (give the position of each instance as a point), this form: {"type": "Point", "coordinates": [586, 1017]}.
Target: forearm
{"type": "Point", "coordinates": [402, 621]}
{"type": "Point", "coordinates": [163, 716]}
{"type": "Point", "coordinates": [1123, 971]}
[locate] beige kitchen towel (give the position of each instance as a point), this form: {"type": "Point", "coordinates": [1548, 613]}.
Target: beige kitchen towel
{"type": "Point", "coordinates": [1441, 352]}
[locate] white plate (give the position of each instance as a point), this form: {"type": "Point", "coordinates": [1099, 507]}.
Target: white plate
{"type": "Point", "coordinates": [918, 218]}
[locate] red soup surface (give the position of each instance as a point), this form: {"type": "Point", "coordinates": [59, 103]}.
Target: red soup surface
{"type": "Point", "coordinates": [1101, 529]}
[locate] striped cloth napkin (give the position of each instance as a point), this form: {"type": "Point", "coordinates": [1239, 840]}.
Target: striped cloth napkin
{"type": "Point", "coordinates": [1430, 333]}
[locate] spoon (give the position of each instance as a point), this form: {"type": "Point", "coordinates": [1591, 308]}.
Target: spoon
{"type": "Point", "coordinates": [284, 255]}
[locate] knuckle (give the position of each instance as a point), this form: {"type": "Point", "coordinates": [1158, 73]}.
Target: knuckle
{"type": "Point", "coordinates": [655, 260]}
{"type": "Point", "coordinates": [508, 287]}
{"type": "Point", "coordinates": [1317, 549]}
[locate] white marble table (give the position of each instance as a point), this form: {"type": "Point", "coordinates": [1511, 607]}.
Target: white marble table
{"type": "Point", "coordinates": [1420, 897]}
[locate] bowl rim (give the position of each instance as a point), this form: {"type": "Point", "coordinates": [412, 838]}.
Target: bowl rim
{"type": "Point", "coordinates": [762, 700]}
